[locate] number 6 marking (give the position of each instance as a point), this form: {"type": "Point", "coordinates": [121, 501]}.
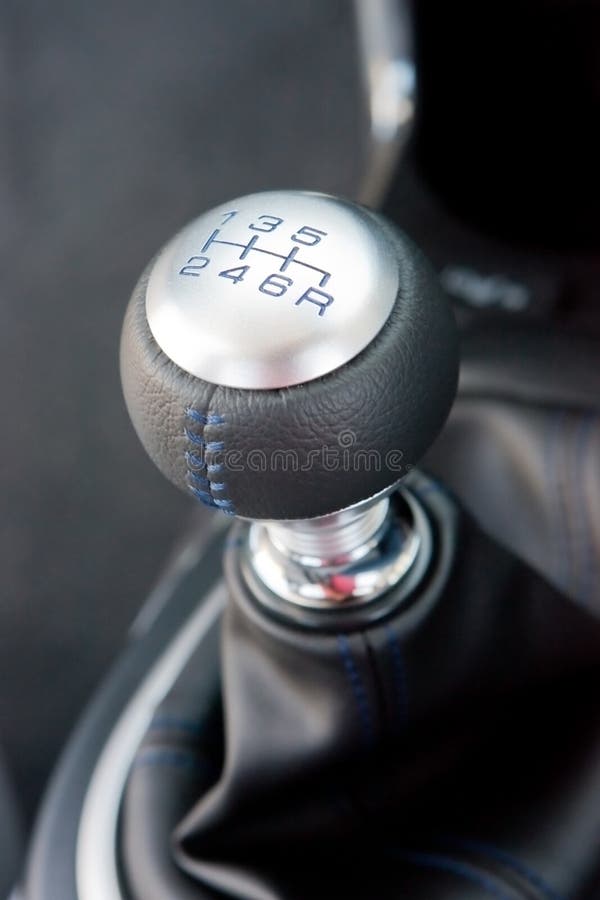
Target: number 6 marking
{"type": "Point", "coordinates": [275, 285]}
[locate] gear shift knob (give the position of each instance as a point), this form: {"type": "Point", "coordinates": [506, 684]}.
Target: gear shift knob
{"type": "Point", "coordinates": [288, 355]}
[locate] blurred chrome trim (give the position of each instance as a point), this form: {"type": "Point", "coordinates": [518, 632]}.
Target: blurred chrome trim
{"type": "Point", "coordinates": [384, 30]}
{"type": "Point", "coordinates": [348, 559]}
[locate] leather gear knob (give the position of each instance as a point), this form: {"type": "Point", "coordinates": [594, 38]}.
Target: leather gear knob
{"type": "Point", "coordinates": [288, 355]}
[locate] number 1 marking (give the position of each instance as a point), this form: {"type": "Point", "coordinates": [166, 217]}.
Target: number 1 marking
{"type": "Point", "coordinates": [228, 216]}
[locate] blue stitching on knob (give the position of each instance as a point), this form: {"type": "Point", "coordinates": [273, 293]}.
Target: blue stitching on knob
{"type": "Point", "coordinates": [204, 496]}
{"type": "Point", "coordinates": [193, 437]}
{"type": "Point", "coordinates": [225, 505]}
{"type": "Point", "coordinates": [201, 419]}
{"type": "Point", "coordinates": [200, 484]}
{"type": "Point", "coordinates": [198, 478]}
{"type": "Point", "coordinates": [209, 446]}
{"type": "Point", "coordinates": [192, 459]}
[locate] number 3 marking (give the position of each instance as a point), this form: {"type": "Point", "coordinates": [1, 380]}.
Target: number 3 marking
{"type": "Point", "coordinates": [269, 223]}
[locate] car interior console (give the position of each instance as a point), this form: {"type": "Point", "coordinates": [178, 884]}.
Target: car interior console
{"type": "Point", "coordinates": [352, 683]}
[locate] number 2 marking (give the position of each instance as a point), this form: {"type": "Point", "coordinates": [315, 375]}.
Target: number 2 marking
{"type": "Point", "coordinates": [188, 269]}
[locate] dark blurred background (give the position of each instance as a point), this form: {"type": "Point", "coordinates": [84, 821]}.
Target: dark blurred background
{"type": "Point", "coordinates": [119, 123]}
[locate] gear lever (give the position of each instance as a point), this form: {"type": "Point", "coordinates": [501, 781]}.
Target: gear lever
{"type": "Point", "coordinates": [287, 358]}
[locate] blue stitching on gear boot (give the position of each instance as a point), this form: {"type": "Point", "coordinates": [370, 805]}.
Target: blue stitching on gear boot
{"type": "Point", "coordinates": [199, 482]}
{"type": "Point", "coordinates": [455, 867]}
{"type": "Point", "coordinates": [557, 473]}
{"type": "Point", "coordinates": [358, 688]}
{"type": "Point", "coordinates": [168, 722]}
{"type": "Point", "coordinates": [180, 758]}
{"type": "Point", "coordinates": [507, 859]}
{"type": "Point", "coordinates": [399, 669]}
{"type": "Point", "coordinates": [583, 443]}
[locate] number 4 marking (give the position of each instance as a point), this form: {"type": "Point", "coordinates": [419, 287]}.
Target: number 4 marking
{"type": "Point", "coordinates": [236, 275]}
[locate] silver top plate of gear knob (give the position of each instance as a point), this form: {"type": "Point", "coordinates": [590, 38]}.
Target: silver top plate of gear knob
{"type": "Point", "coordinates": [272, 290]}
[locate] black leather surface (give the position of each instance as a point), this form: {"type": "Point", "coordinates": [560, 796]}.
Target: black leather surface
{"type": "Point", "coordinates": [488, 711]}
{"type": "Point", "coordinates": [527, 363]}
{"type": "Point", "coordinates": [188, 580]}
{"type": "Point", "coordinates": [453, 752]}
{"type": "Point", "coordinates": [11, 833]}
{"type": "Point", "coordinates": [392, 399]}
{"type": "Point", "coordinates": [522, 450]}
{"type": "Point", "coordinates": [179, 757]}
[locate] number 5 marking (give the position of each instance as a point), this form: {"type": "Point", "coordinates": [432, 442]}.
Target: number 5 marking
{"type": "Point", "coordinates": [313, 235]}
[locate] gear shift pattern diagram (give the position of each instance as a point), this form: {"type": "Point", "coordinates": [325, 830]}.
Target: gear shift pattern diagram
{"type": "Point", "coordinates": [217, 308]}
